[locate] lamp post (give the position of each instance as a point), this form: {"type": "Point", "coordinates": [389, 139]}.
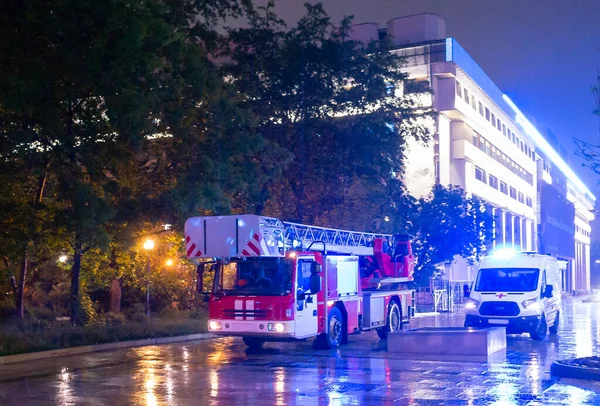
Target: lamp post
{"type": "Point", "coordinates": [148, 246]}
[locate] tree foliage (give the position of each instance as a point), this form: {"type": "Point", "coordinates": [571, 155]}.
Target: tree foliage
{"type": "Point", "coordinates": [343, 109]}
{"type": "Point", "coordinates": [115, 120]}
{"type": "Point", "coordinates": [590, 151]}
{"type": "Point", "coordinates": [448, 223]}
{"type": "Point", "coordinates": [116, 106]}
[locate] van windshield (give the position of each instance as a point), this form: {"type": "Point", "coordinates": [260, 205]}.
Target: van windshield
{"type": "Point", "coordinates": [507, 280]}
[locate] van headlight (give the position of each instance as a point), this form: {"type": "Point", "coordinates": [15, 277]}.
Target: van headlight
{"type": "Point", "coordinates": [532, 304]}
{"type": "Point", "coordinates": [214, 325]}
{"type": "Point", "coordinates": [472, 304]}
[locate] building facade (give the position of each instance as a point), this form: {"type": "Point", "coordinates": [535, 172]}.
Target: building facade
{"type": "Point", "coordinates": [484, 144]}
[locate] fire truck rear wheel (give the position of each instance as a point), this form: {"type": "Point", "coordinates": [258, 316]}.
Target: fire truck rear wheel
{"type": "Point", "coordinates": [253, 342]}
{"type": "Point", "coordinates": [393, 322]}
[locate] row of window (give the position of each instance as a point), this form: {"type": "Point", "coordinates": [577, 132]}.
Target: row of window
{"type": "Point", "coordinates": [493, 182]}
{"type": "Point", "coordinates": [487, 147]}
{"type": "Point", "coordinates": [580, 230]}
{"type": "Point", "coordinates": [464, 93]}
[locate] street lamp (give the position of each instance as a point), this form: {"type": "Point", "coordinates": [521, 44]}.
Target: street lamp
{"type": "Point", "coordinates": [148, 246]}
{"type": "Point", "coordinates": [169, 262]}
{"type": "Point", "coordinates": [63, 258]}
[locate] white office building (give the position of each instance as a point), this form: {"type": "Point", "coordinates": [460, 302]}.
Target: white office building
{"type": "Point", "coordinates": [485, 145]}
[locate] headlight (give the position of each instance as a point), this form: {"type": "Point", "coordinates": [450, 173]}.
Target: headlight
{"type": "Point", "coordinates": [532, 304]}
{"type": "Point", "coordinates": [214, 325]}
{"type": "Point", "coordinates": [472, 304]}
{"type": "Point", "coordinates": [277, 327]}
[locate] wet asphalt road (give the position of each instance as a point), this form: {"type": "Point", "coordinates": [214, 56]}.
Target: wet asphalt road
{"type": "Point", "coordinates": [223, 372]}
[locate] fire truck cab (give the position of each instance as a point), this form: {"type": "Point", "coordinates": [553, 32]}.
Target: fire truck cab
{"type": "Point", "coordinates": [268, 280]}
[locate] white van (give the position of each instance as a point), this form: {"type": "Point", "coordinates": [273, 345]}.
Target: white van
{"type": "Point", "coordinates": [519, 290]}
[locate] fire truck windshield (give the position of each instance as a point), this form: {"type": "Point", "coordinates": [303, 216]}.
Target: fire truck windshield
{"type": "Point", "coordinates": [254, 276]}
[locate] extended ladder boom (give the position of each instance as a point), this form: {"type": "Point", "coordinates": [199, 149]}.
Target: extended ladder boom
{"type": "Point", "coordinates": [342, 241]}
{"type": "Point", "coordinates": [252, 235]}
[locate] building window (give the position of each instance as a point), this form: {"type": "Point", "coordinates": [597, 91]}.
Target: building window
{"type": "Point", "coordinates": [493, 120]}
{"type": "Point", "coordinates": [473, 103]}
{"type": "Point", "coordinates": [487, 114]}
{"type": "Point", "coordinates": [480, 108]}
{"type": "Point", "coordinates": [466, 93]}
{"type": "Point", "coordinates": [528, 202]}
{"type": "Point", "coordinates": [503, 188]}
{"type": "Point", "coordinates": [499, 125]}
{"type": "Point", "coordinates": [458, 89]}
{"type": "Point", "coordinates": [493, 181]}
{"type": "Point", "coordinates": [479, 174]}
{"type": "Point", "coordinates": [503, 130]}
{"type": "Point", "coordinates": [521, 197]}
{"type": "Point", "coordinates": [513, 192]}
{"type": "Point", "coordinates": [490, 150]}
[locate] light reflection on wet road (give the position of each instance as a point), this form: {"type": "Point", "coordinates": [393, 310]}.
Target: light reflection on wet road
{"type": "Point", "coordinates": [223, 372]}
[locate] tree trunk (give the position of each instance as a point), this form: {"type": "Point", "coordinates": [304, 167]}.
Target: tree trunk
{"type": "Point", "coordinates": [19, 288]}
{"type": "Point", "coordinates": [115, 296]}
{"type": "Point", "coordinates": [20, 291]}
{"type": "Point", "coordinates": [75, 270]}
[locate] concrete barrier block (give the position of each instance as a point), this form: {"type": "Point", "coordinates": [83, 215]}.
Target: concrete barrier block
{"type": "Point", "coordinates": [454, 341]}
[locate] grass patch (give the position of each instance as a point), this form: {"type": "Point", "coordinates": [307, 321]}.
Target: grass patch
{"type": "Point", "coordinates": [41, 336]}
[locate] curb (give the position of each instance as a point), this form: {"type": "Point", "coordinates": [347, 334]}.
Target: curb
{"type": "Point", "coordinates": [32, 356]}
{"type": "Point", "coordinates": [571, 371]}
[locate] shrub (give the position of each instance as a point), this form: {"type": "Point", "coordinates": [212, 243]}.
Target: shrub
{"type": "Point", "coordinates": [137, 312]}
{"type": "Point", "coordinates": [114, 318]}
{"type": "Point", "coordinates": [38, 336]}
{"type": "Point", "coordinates": [7, 309]}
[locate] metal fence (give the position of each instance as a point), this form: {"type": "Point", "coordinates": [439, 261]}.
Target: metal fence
{"type": "Point", "coordinates": [441, 295]}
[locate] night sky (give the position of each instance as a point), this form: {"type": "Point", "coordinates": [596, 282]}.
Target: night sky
{"type": "Point", "coordinates": [542, 53]}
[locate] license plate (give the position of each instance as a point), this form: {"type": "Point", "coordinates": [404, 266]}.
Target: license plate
{"type": "Point", "coordinates": [497, 321]}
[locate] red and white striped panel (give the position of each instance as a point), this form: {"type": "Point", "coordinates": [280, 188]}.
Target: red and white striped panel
{"type": "Point", "coordinates": [191, 249]}
{"type": "Point", "coordinates": [255, 247]}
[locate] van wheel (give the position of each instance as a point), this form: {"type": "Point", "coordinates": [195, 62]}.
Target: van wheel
{"type": "Point", "coordinates": [541, 330]}
{"type": "Point", "coordinates": [554, 328]}
{"type": "Point", "coordinates": [254, 343]}
{"type": "Point", "coordinates": [393, 323]}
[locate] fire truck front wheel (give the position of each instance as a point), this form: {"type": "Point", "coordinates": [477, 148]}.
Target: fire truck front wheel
{"type": "Point", "coordinates": [333, 338]}
{"type": "Point", "coordinates": [253, 342]}
{"type": "Point", "coordinates": [393, 322]}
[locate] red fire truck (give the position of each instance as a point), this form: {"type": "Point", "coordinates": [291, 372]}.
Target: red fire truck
{"type": "Point", "coordinates": [279, 281]}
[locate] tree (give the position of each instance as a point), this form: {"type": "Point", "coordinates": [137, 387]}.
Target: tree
{"type": "Point", "coordinates": [88, 85]}
{"type": "Point", "coordinates": [590, 152]}
{"type": "Point", "coordinates": [344, 111]}
{"type": "Point", "coordinates": [445, 224]}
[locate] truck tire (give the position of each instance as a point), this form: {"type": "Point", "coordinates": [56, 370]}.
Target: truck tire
{"type": "Point", "coordinates": [540, 332]}
{"type": "Point", "coordinates": [554, 328]}
{"type": "Point", "coordinates": [254, 343]}
{"type": "Point", "coordinates": [333, 338]}
{"type": "Point", "coordinates": [393, 322]}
